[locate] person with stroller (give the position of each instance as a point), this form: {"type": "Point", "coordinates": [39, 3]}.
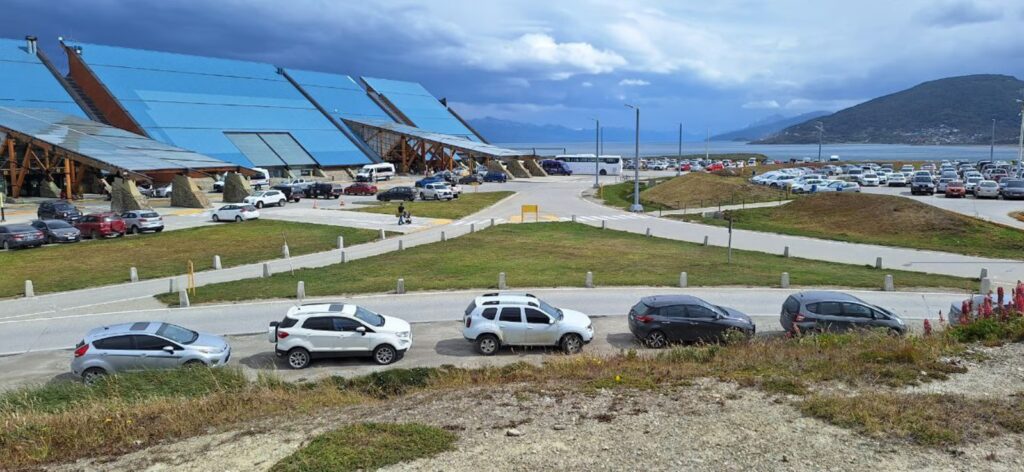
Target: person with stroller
{"type": "Point", "coordinates": [404, 217]}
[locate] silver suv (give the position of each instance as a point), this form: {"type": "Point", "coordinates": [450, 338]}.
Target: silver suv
{"type": "Point", "coordinates": [338, 330]}
{"type": "Point", "coordinates": [145, 345]}
{"type": "Point", "coordinates": [493, 320]}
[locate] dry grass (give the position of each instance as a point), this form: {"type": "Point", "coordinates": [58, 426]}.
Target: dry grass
{"type": "Point", "coordinates": [704, 190]}
{"type": "Point", "coordinates": [367, 446]}
{"type": "Point", "coordinates": [1017, 215]}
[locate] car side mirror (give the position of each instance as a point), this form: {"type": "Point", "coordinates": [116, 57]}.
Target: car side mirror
{"type": "Point", "coordinates": [361, 330]}
{"type": "Point", "coordinates": [169, 349]}
{"type": "Point", "coordinates": [551, 321]}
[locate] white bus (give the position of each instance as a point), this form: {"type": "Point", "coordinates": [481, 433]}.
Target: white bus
{"type": "Point", "coordinates": [584, 164]}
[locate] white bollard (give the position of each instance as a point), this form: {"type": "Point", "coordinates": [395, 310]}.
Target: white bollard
{"type": "Point", "coordinates": [341, 242]}
{"type": "Point", "coordinates": [492, 222]}
{"type": "Point", "coordinates": [501, 281]}
{"type": "Point", "coordinates": [174, 285]}
{"type": "Point", "coordinates": [573, 218]}
{"type": "Point", "coordinates": [300, 290]}
{"type": "Point", "coordinates": [648, 231]}
{"type": "Point", "coordinates": [400, 287]}
{"type": "Point", "coordinates": [343, 259]}
{"type": "Point", "coordinates": [30, 291]}
{"type": "Point", "coordinates": [785, 280]}
{"type": "Point", "coordinates": [889, 285]}
{"type": "Point", "coordinates": [986, 286]}
{"type": "Point", "coordinates": [216, 263]}
{"type": "Point", "coordinates": [705, 240]}
{"type": "Point", "coordinates": [183, 299]}
{"type": "Point", "coordinates": [984, 274]}
{"type": "Point", "coordinates": [382, 235]}
{"type": "Point", "coordinates": [878, 262]}
{"type": "Point", "coordinates": [285, 252]}
{"type": "Point", "coordinates": [401, 245]}
{"type": "Point", "coordinates": [589, 282]}
{"type": "Point", "coordinates": [443, 237]}
{"type": "Point", "coordinates": [472, 227]}
{"type": "Point", "coordinates": [266, 270]}
{"type": "Point", "coordinates": [603, 224]}
{"type": "Point", "coordinates": [683, 280]}
{"type": "Point", "coordinates": [785, 252]}
{"type": "Point", "coordinates": [133, 274]}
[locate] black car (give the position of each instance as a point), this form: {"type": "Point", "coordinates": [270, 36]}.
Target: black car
{"type": "Point", "coordinates": [821, 311]}
{"type": "Point", "coordinates": [495, 176]}
{"type": "Point", "coordinates": [19, 236]}
{"type": "Point", "coordinates": [397, 193]}
{"type": "Point", "coordinates": [291, 192]}
{"type": "Point", "coordinates": [922, 185]}
{"type": "Point", "coordinates": [471, 179]}
{"type": "Point", "coordinates": [324, 190]}
{"type": "Point", "coordinates": [59, 210]}
{"type": "Point", "coordinates": [58, 231]}
{"type": "Point", "coordinates": [659, 320]}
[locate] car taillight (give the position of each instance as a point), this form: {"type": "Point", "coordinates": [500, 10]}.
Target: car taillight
{"type": "Point", "coordinates": [469, 321]}
{"type": "Point", "coordinates": [798, 317]}
{"type": "Point", "coordinates": [645, 318]}
{"type": "Point", "coordinates": [282, 334]}
{"type": "Point", "coordinates": [81, 350]}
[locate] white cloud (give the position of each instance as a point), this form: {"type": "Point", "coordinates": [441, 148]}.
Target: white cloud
{"type": "Point", "coordinates": [806, 104]}
{"type": "Point", "coordinates": [633, 82]}
{"type": "Point", "coordinates": [586, 84]}
{"type": "Point", "coordinates": [504, 110]}
{"type": "Point", "coordinates": [761, 104]}
{"type": "Point", "coordinates": [558, 61]}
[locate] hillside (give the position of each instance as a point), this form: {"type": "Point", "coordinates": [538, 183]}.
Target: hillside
{"type": "Point", "coordinates": [705, 190]}
{"type": "Point", "coordinates": [955, 110]}
{"type": "Point", "coordinates": [766, 127]}
{"type": "Point", "coordinates": [506, 131]}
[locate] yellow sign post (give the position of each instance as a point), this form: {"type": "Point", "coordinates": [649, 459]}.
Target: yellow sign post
{"type": "Point", "coordinates": [535, 209]}
{"type": "Point", "coordinates": [191, 278]}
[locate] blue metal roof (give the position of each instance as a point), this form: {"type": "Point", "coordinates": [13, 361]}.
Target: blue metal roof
{"type": "Point", "coordinates": [422, 108]}
{"type": "Point", "coordinates": [26, 82]}
{"type": "Point", "coordinates": [460, 143]}
{"type": "Point", "coordinates": [339, 95]}
{"type": "Point", "coordinates": [191, 101]}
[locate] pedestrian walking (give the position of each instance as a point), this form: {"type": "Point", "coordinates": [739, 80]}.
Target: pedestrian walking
{"type": "Point", "coordinates": [401, 213]}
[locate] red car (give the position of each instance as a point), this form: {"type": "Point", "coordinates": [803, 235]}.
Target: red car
{"type": "Point", "coordinates": [361, 188]}
{"type": "Point", "coordinates": [101, 225]}
{"type": "Point", "coordinates": [714, 167]}
{"type": "Point", "coordinates": [956, 189]}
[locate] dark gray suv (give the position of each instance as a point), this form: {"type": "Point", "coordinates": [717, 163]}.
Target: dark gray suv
{"type": "Point", "coordinates": [659, 320]}
{"type": "Point", "coordinates": [835, 311]}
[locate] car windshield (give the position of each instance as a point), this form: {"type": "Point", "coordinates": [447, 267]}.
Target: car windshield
{"type": "Point", "coordinates": [550, 310]}
{"type": "Point", "coordinates": [149, 214]}
{"type": "Point", "coordinates": [177, 333]}
{"type": "Point", "coordinates": [923, 179]}
{"type": "Point", "coordinates": [57, 224]}
{"type": "Point", "coordinates": [259, 194]}
{"type": "Point", "coordinates": [1015, 183]}
{"type": "Point", "coordinates": [369, 317]}
{"type": "Point", "coordinates": [988, 183]}
{"type": "Point", "coordinates": [63, 207]}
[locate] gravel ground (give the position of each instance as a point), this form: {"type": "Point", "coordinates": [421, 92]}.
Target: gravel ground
{"type": "Point", "coordinates": [991, 372]}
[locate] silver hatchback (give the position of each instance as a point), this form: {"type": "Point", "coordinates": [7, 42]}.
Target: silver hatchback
{"type": "Point", "coordinates": [145, 345]}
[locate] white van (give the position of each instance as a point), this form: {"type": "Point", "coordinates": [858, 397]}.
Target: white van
{"type": "Point", "coordinates": [261, 179]}
{"type": "Point", "coordinates": [375, 172]}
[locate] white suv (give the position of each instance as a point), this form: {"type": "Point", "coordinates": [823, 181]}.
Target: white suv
{"type": "Point", "coordinates": [266, 197]}
{"type": "Point", "coordinates": [436, 191]}
{"type": "Point", "coordinates": [493, 320]}
{"type": "Point", "coordinates": [338, 330]}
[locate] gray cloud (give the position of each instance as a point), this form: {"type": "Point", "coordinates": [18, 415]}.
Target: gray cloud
{"type": "Point", "coordinates": [959, 12]}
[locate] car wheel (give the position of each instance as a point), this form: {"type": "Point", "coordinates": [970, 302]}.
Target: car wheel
{"type": "Point", "coordinates": [92, 375]}
{"type": "Point", "coordinates": [159, 230]}
{"type": "Point", "coordinates": [423, 197]}
{"type": "Point", "coordinates": [604, 172]}
{"type": "Point", "coordinates": [238, 219]}
{"type": "Point", "coordinates": [7, 246]}
{"type": "Point", "coordinates": [216, 218]}
{"type": "Point", "coordinates": [572, 344]}
{"type": "Point", "coordinates": [191, 364]}
{"type": "Point", "coordinates": [895, 333]}
{"type": "Point", "coordinates": [134, 229]}
{"type": "Point", "coordinates": [385, 354]}
{"type": "Point", "coordinates": [487, 344]}
{"type": "Point", "coordinates": [259, 204]}
{"type": "Point", "coordinates": [298, 358]}
{"type": "Point", "coordinates": [656, 340]}
{"type": "Point", "coordinates": [410, 199]}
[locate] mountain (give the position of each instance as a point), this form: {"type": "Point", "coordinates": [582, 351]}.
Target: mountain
{"type": "Point", "coordinates": [767, 126]}
{"type": "Point", "coordinates": [505, 131]}
{"type": "Point", "coordinates": [954, 110]}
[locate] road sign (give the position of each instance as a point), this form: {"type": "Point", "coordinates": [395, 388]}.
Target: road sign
{"type": "Point", "coordinates": [535, 209]}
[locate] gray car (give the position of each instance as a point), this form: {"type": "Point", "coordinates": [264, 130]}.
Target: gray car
{"type": "Point", "coordinates": [1012, 189]}
{"type": "Point", "coordinates": [58, 231]}
{"type": "Point", "coordinates": [145, 345]}
{"type": "Point", "coordinates": [819, 311]}
{"type": "Point", "coordinates": [137, 221]}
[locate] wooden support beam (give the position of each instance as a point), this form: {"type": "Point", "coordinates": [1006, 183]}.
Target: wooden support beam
{"type": "Point", "coordinates": [67, 179]}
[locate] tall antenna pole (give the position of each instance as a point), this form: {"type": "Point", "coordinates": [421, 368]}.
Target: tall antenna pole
{"type": "Point", "coordinates": [992, 144]}
{"type": "Point", "coordinates": [679, 155]}
{"type": "Point", "coordinates": [707, 145]}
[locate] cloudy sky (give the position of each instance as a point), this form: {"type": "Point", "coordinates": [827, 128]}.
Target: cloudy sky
{"type": "Point", "coordinates": [719, 64]}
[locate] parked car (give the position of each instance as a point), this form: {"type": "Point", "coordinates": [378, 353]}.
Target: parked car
{"type": "Point", "coordinates": [102, 225]}
{"type": "Point", "coordinates": [922, 185]}
{"type": "Point", "coordinates": [429, 180]}
{"type": "Point", "coordinates": [808, 185]}
{"type": "Point", "coordinates": [20, 236]}
{"type": "Point", "coordinates": [161, 191]}
{"type": "Point", "coordinates": [471, 179]}
{"type": "Point", "coordinates": [456, 190]}
{"type": "Point", "coordinates": [493, 320]}
{"type": "Point", "coordinates": [266, 197]}
{"type": "Point", "coordinates": [1013, 188]}
{"type": "Point", "coordinates": [940, 186]}
{"type": "Point", "coordinates": [323, 189]}
{"type": "Point", "coordinates": [956, 189]}
{"type": "Point", "coordinates": [291, 193]}
{"type": "Point", "coordinates": [138, 221]}
{"type": "Point", "coordinates": [318, 330]}
{"type": "Point", "coordinates": [218, 186]}
{"type": "Point", "coordinates": [553, 167]}
{"type": "Point", "coordinates": [659, 320]}
{"type": "Point", "coordinates": [818, 311]}
{"type": "Point", "coordinates": [493, 176]}
{"type": "Point", "coordinates": [236, 212]}
{"type": "Point", "coordinates": [397, 193]}
{"type": "Point", "coordinates": [361, 188]}
{"type": "Point", "coordinates": [868, 179]}
{"type": "Point", "coordinates": [987, 189]}
{"type": "Point", "coordinates": [145, 345]}
{"type": "Point", "coordinates": [897, 179]}
{"type": "Point", "coordinates": [59, 210]}
{"type": "Point", "coordinates": [972, 183]}
{"type": "Point", "coordinates": [57, 231]}
{"type": "Point", "coordinates": [436, 191]}
{"type": "Point", "coordinates": [841, 186]}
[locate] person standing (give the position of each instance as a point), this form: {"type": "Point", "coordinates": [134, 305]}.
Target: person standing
{"type": "Point", "coordinates": [401, 213]}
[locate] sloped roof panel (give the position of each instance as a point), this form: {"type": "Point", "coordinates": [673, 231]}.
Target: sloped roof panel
{"type": "Point", "coordinates": [338, 94]}
{"type": "Point", "coordinates": [455, 141]}
{"type": "Point", "coordinates": [422, 108]}
{"type": "Point", "coordinates": [26, 82]}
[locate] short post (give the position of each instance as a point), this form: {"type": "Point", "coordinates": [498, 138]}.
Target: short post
{"type": "Point", "coordinates": [343, 258]}
{"type": "Point", "coordinates": [300, 290]}
{"type": "Point", "coordinates": [501, 281]}
{"type": "Point", "coordinates": [573, 218]}
{"type": "Point", "coordinates": [472, 227]}
{"type": "Point", "coordinates": [266, 270]}
{"type": "Point", "coordinates": [986, 286]}
{"type": "Point", "coordinates": [785, 252]}
{"type": "Point", "coordinates": [133, 274]}
{"type": "Point", "coordinates": [174, 285]}
{"type": "Point", "coordinates": [382, 236]}
{"type": "Point", "coordinates": [589, 282]}
{"type": "Point", "coordinates": [341, 242]}
{"type": "Point", "coordinates": [30, 291]}
{"type": "Point", "coordinates": [400, 287]}
{"type": "Point", "coordinates": [785, 280]}
{"type": "Point", "coordinates": [682, 280]}
{"type": "Point", "coordinates": [183, 299]}
{"type": "Point", "coordinates": [216, 263]}
{"type": "Point", "coordinates": [984, 274]}
{"type": "Point", "coordinates": [603, 224]}
{"type": "Point", "coordinates": [401, 245]}
{"type": "Point", "coordinates": [285, 252]}
{"type": "Point", "coordinates": [648, 231]}
{"type": "Point", "coordinates": [443, 237]}
{"type": "Point", "coordinates": [889, 285]}
{"type": "Point", "coordinates": [705, 240]}
{"type": "Point", "coordinates": [492, 222]}
{"type": "Point", "coordinates": [878, 262]}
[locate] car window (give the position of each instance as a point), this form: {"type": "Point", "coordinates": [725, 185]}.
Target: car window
{"type": "Point", "coordinates": [177, 333]}
{"type": "Point", "coordinates": [287, 322]}
{"type": "Point", "coordinates": [825, 308]}
{"type": "Point", "coordinates": [114, 343]}
{"type": "Point", "coordinates": [38, 225]}
{"type": "Point", "coordinates": [489, 313]}
{"type": "Point", "coordinates": [534, 316]}
{"type": "Point", "coordinates": [672, 311]}
{"type": "Point", "coordinates": [345, 324]}
{"type": "Point", "coordinates": [369, 317]}
{"type": "Point", "coordinates": [150, 343]}
{"type": "Point", "coordinates": [697, 311]}
{"type": "Point", "coordinates": [512, 315]}
{"type": "Point", "coordinates": [856, 310]}
{"type": "Point", "coordinates": [319, 323]}
{"type": "Point", "coordinates": [791, 305]}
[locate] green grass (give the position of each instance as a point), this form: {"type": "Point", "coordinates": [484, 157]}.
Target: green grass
{"type": "Point", "coordinates": [468, 203]}
{"type": "Point", "coordinates": [94, 263]}
{"type": "Point", "coordinates": [367, 446]}
{"type": "Point", "coordinates": [881, 219]}
{"type": "Point", "coordinates": [695, 190]}
{"type": "Point", "coordinates": [559, 255]}
{"type": "Point", "coordinates": [620, 195]}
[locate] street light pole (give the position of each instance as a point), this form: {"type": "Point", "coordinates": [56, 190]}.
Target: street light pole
{"type": "Point", "coordinates": [992, 144]}
{"type": "Point", "coordinates": [821, 130]}
{"type": "Point", "coordinates": [679, 155]}
{"type": "Point", "coordinates": [636, 207]}
{"type": "Point", "coordinates": [597, 151]}
{"type": "Point", "coordinates": [1020, 147]}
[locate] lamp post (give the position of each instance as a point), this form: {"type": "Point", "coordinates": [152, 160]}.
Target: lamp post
{"type": "Point", "coordinates": [679, 155]}
{"type": "Point", "coordinates": [597, 151]}
{"type": "Point", "coordinates": [821, 131]}
{"type": "Point", "coordinates": [636, 207]}
{"type": "Point", "coordinates": [992, 144]}
{"type": "Point", "coordinates": [1020, 147]}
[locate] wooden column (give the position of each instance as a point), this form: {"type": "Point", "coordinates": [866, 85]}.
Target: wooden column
{"type": "Point", "coordinates": [68, 192]}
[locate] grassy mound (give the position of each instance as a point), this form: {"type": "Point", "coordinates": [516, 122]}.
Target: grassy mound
{"type": "Point", "coordinates": [705, 190]}
{"type": "Point", "coordinates": [367, 446]}
{"type": "Point", "coordinates": [470, 202]}
{"type": "Point", "coordinates": [885, 220]}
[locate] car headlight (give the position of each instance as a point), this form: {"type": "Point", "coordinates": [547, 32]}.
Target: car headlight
{"type": "Point", "coordinates": [403, 335]}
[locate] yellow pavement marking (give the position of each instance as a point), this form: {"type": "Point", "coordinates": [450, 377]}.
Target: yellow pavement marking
{"type": "Point", "coordinates": [519, 218]}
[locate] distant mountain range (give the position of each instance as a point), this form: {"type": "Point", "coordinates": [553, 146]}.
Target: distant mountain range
{"type": "Point", "coordinates": [954, 110]}
{"type": "Point", "coordinates": [505, 131]}
{"type": "Point", "coordinates": [766, 127]}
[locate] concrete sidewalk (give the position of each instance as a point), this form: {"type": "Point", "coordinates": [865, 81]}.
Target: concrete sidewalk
{"type": "Point", "coordinates": [743, 206]}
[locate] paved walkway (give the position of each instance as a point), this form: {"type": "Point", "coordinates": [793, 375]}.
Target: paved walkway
{"type": "Point", "coordinates": [744, 206]}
